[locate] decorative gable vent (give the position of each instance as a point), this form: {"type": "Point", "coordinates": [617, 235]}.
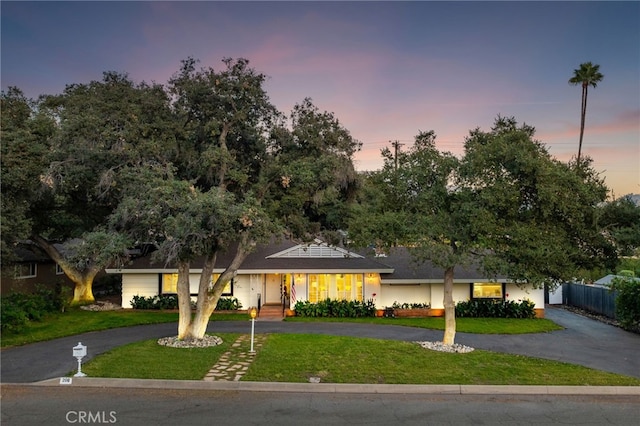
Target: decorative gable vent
{"type": "Point", "coordinates": [317, 249]}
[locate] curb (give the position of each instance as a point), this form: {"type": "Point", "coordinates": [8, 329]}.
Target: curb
{"type": "Point", "coordinates": [336, 387]}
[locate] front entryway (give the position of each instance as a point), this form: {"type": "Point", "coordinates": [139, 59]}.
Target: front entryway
{"type": "Point", "coordinates": [272, 289]}
{"type": "Point", "coordinates": [272, 312]}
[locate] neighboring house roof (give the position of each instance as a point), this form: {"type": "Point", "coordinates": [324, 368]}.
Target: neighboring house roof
{"type": "Point", "coordinates": [280, 256]}
{"type": "Point", "coordinates": [606, 281]}
{"type": "Point", "coordinates": [407, 271]}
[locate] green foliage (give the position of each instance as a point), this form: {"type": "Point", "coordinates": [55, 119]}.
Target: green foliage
{"type": "Point", "coordinates": [17, 309]}
{"type": "Point", "coordinates": [479, 308]}
{"type": "Point", "coordinates": [621, 221]}
{"type": "Point", "coordinates": [228, 304]}
{"type": "Point", "coordinates": [627, 302]}
{"type": "Point", "coordinates": [336, 308]}
{"type": "Point", "coordinates": [162, 301]}
{"type": "Point", "coordinates": [397, 305]}
{"type": "Point", "coordinates": [25, 133]}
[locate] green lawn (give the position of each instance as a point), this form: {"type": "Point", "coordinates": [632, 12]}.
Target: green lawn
{"type": "Point", "coordinates": [463, 325]}
{"type": "Point", "coordinates": [335, 359]}
{"type": "Point", "coordinates": [148, 360]}
{"type": "Point", "coordinates": [76, 321]}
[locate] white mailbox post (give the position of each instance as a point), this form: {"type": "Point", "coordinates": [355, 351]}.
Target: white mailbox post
{"type": "Point", "coordinates": [79, 352]}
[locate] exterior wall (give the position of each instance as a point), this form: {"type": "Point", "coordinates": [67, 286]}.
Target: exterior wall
{"type": "Point", "coordinates": [138, 285]}
{"type": "Point", "coordinates": [372, 289]}
{"type": "Point", "coordinates": [46, 276]}
{"type": "Point", "coordinates": [515, 293]}
{"type": "Point", "coordinates": [247, 287]}
{"type": "Point", "coordinates": [460, 293]}
{"type": "Point", "coordinates": [555, 296]}
{"type": "Point", "coordinates": [419, 293]}
{"type": "Point", "coordinates": [242, 290]}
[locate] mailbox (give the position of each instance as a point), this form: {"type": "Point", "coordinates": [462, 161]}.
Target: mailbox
{"type": "Point", "coordinates": [80, 351]}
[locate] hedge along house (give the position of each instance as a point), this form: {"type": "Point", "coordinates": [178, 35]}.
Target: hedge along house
{"type": "Point", "coordinates": [282, 273]}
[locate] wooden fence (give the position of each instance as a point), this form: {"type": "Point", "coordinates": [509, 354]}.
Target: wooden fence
{"type": "Point", "coordinates": [596, 299]}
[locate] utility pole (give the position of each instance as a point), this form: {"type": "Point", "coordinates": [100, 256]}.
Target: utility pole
{"type": "Point", "coordinates": [396, 145]}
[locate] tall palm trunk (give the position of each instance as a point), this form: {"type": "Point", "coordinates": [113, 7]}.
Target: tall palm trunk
{"type": "Point", "coordinates": [583, 115]}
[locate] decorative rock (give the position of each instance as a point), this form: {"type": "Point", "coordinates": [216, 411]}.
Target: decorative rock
{"type": "Point", "coordinates": [205, 342]}
{"type": "Point", "coordinates": [441, 347]}
{"type": "Point", "coordinates": [101, 306]}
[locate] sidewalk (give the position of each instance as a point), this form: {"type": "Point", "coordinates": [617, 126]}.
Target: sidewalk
{"type": "Point", "coordinates": [342, 387]}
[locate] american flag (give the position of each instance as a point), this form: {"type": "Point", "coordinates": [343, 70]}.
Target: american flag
{"type": "Point", "coordinates": [293, 293]}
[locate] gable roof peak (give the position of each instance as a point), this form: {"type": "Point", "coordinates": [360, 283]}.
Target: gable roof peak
{"type": "Point", "coordinates": [315, 249]}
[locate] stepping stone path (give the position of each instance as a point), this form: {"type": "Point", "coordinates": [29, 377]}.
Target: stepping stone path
{"type": "Point", "coordinates": [234, 363]}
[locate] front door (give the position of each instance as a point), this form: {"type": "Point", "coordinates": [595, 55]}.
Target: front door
{"type": "Point", "coordinates": [272, 288]}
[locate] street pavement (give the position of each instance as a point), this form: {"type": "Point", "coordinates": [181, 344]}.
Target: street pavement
{"type": "Point", "coordinates": [30, 405]}
{"type": "Point", "coordinates": [583, 341]}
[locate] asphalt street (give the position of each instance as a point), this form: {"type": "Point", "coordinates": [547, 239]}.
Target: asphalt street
{"type": "Point", "coordinates": [29, 405]}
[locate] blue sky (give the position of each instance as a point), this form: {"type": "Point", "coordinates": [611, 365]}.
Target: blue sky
{"type": "Point", "coordinates": [386, 69]}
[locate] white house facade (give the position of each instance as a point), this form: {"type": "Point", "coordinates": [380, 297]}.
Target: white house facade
{"type": "Point", "coordinates": [317, 271]}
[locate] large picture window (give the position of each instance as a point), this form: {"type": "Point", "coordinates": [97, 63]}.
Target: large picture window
{"type": "Point", "coordinates": [335, 286]}
{"type": "Point", "coordinates": [487, 291]}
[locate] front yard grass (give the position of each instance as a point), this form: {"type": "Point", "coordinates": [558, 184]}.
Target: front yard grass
{"type": "Point", "coordinates": [463, 325]}
{"type": "Point", "coordinates": [77, 321]}
{"type": "Point", "coordinates": [337, 359]}
{"type": "Point", "coordinates": [148, 360]}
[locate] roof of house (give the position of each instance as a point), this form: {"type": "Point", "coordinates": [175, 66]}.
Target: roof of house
{"type": "Point", "coordinates": [279, 256]}
{"type": "Point", "coordinates": [607, 280]}
{"type": "Point", "coordinates": [407, 270]}
{"type": "Point", "coordinates": [286, 256]}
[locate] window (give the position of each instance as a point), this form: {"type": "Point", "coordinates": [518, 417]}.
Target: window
{"type": "Point", "coordinates": [228, 289]}
{"type": "Point", "coordinates": [59, 270]}
{"type": "Point", "coordinates": [318, 287]}
{"type": "Point", "coordinates": [26, 270]}
{"type": "Point", "coordinates": [487, 291]}
{"type": "Point", "coordinates": [169, 283]}
{"type": "Point", "coordinates": [335, 286]}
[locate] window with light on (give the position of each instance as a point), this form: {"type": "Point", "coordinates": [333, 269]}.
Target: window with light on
{"type": "Point", "coordinates": [487, 291]}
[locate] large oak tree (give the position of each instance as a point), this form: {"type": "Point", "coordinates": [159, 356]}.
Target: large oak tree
{"type": "Point", "coordinates": [241, 174]}
{"type": "Point", "coordinates": [506, 205]}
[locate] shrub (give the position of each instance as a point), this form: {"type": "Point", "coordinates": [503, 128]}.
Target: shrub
{"type": "Point", "coordinates": [163, 301]}
{"type": "Point", "coordinates": [336, 309]}
{"type": "Point", "coordinates": [627, 302]}
{"type": "Point", "coordinates": [17, 309]}
{"type": "Point", "coordinates": [228, 304]}
{"type": "Point", "coordinates": [495, 309]}
{"type": "Point", "coordinates": [397, 305]}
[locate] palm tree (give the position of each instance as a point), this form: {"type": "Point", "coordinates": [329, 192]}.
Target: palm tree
{"type": "Point", "coordinates": [587, 75]}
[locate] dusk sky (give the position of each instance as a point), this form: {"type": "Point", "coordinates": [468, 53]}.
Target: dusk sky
{"type": "Point", "coordinates": [386, 69]}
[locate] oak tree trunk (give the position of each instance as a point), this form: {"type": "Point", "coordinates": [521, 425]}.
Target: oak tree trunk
{"type": "Point", "coordinates": [449, 308]}
{"type": "Point", "coordinates": [184, 299]}
{"type": "Point", "coordinates": [209, 295]}
{"type": "Point", "coordinates": [82, 279]}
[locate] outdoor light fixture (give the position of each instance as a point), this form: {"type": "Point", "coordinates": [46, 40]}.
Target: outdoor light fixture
{"type": "Point", "coordinates": [253, 313]}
